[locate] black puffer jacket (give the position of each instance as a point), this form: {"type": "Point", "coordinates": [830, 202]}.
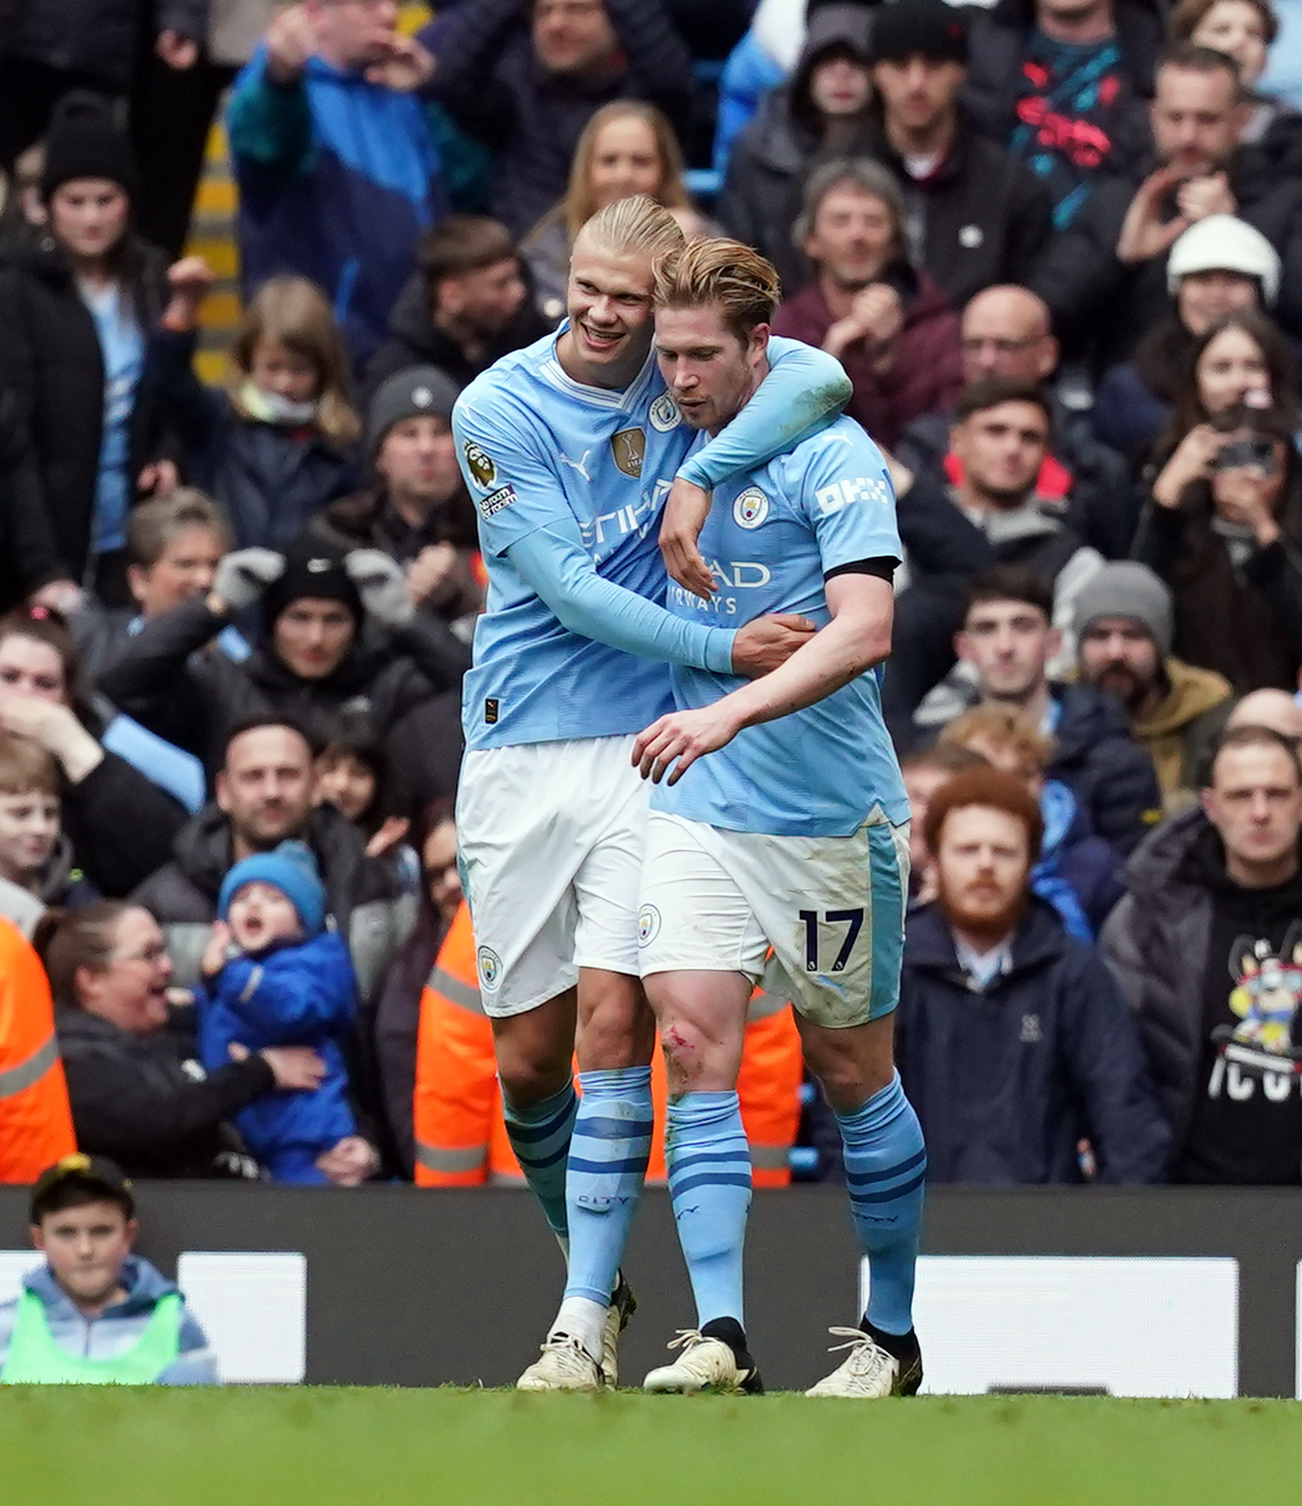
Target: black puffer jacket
{"type": "Point", "coordinates": [50, 360]}
{"type": "Point", "coordinates": [369, 908]}
{"type": "Point", "coordinates": [99, 36]}
{"type": "Point", "coordinates": [1111, 776]}
{"type": "Point", "coordinates": [143, 1100]}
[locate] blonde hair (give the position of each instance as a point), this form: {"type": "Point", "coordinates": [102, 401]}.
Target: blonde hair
{"type": "Point", "coordinates": [638, 225]}
{"type": "Point", "coordinates": [26, 766]}
{"type": "Point", "coordinates": [293, 312]}
{"type": "Point", "coordinates": [1002, 728]}
{"type": "Point", "coordinates": [580, 203]}
{"type": "Point", "coordinates": [734, 276]}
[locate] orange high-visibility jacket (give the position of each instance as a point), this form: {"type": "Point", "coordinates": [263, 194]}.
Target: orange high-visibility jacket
{"type": "Point", "coordinates": [461, 1138]}
{"type": "Point", "coordinates": [35, 1120]}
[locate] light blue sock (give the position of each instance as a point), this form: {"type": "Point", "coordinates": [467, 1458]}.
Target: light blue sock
{"type": "Point", "coordinates": [885, 1167]}
{"type": "Point", "coordinates": [709, 1183]}
{"type": "Point", "coordinates": [540, 1138]}
{"type": "Point", "coordinates": [607, 1166]}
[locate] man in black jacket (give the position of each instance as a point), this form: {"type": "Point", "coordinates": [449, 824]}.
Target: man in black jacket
{"type": "Point", "coordinates": [1105, 279]}
{"type": "Point", "coordinates": [1208, 947]}
{"type": "Point", "coordinates": [976, 215]}
{"type": "Point", "coordinates": [525, 80]}
{"type": "Point", "coordinates": [1007, 641]}
{"type": "Point", "coordinates": [264, 797]}
{"type": "Point", "coordinates": [1014, 1041]}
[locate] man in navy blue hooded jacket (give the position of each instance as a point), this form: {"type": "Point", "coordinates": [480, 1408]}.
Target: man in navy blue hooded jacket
{"type": "Point", "coordinates": [1013, 1040]}
{"type": "Point", "coordinates": [336, 159]}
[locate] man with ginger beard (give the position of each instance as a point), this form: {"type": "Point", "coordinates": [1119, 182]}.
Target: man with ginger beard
{"type": "Point", "coordinates": [1013, 1039]}
{"type": "Point", "coordinates": [1124, 624]}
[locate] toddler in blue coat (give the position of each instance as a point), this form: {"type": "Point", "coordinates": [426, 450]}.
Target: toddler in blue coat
{"type": "Point", "coordinates": [275, 976]}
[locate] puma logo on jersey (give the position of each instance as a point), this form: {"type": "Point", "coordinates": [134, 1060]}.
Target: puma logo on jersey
{"type": "Point", "coordinates": [580, 465]}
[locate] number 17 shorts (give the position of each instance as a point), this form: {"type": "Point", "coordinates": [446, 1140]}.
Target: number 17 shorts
{"type": "Point", "coordinates": [831, 909]}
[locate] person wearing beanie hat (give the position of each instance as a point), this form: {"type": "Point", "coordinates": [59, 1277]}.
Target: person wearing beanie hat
{"type": "Point", "coordinates": [77, 307]}
{"type": "Point", "coordinates": [1125, 622]}
{"type": "Point", "coordinates": [977, 217]}
{"type": "Point", "coordinates": [274, 976]}
{"type": "Point", "coordinates": [1223, 243]}
{"type": "Point", "coordinates": [417, 510]}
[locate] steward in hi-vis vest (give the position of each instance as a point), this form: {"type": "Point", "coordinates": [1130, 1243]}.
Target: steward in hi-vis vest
{"type": "Point", "coordinates": [35, 1121]}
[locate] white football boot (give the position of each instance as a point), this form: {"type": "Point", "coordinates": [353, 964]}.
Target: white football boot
{"type": "Point", "coordinates": [868, 1371]}
{"type": "Point", "coordinates": [563, 1365]}
{"type": "Point", "coordinates": [705, 1364]}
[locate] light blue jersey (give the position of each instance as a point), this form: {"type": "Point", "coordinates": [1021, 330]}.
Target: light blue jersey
{"type": "Point", "coordinates": [769, 540]}
{"type": "Point", "coordinates": [569, 482]}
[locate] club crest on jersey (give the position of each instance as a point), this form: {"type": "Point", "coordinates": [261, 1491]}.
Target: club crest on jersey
{"type": "Point", "coordinates": [480, 463]}
{"type": "Point", "coordinates": [665, 414]}
{"type": "Point", "coordinates": [490, 968]}
{"type": "Point", "coordinates": [751, 508]}
{"type": "Point", "coordinates": [648, 925]}
{"type": "Point", "coordinates": [629, 449]}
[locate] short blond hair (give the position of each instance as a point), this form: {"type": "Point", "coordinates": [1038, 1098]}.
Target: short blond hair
{"type": "Point", "coordinates": [729, 274]}
{"type": "Point", "coordinates": [1003, 728]}
{"type": "Point", "coordinates": [638, 225]}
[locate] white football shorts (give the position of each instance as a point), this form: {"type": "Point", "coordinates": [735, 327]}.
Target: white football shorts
{"type": "Point", "coordinates": [831, 908]}
{"type": "Point", "coordinates": [551, 838]}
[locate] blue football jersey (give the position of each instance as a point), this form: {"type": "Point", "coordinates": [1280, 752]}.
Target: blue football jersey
{"type": "Point", "coordinates": [769, 539]}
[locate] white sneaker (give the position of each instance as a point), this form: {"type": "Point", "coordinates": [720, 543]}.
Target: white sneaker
{"type": "Point", "coordinates": [564, 1365]}
{"type": "Point", "coordinates": [868, 1371]}
{"type": "Point", "coordinates": [623, 1304]}
{"type": "Point", "coordinates": [704, 1364]}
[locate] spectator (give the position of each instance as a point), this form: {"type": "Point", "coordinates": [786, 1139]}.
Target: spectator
{"type": "Point", "coordinates": [337, 168]}
{"type": "Point", "coordinates": [49, 53]}
{"type": "Point", "coordinates": [337, 631]}
{"type": "Point", "coordinates": [1007, 640]}
{"type": "Point", "coordinates": [1062, 85]}
{"type": "Point", "coordinates": [120, 823]}
{"type": "Point", "coordinates": [95, 1313]}
{"type": "Point", "coordinates": [1205, 947]}
{"type": "Point", "coordinates": [1005, 333]}
{"type": "Point", "coordinates": [397, 1015]}
{"type": "Point", "coordinates": [816, 113]}
{"type": "Point", "coordinates": [976, 215]}
{"type": "Point", "coordinates": [35, 1120]}
{"type": "Point", "coordinates": [1013, 1041]}
{"type": "Point", "coordinates": [417, 509]}
{"type": "Point", "coordinates": [35, 855]}
{"type": "Point", "coordinates": [763, 58]}
{"type": "Point", "coordinates": [1218, 267]}
{"type": "Point", "coordinates": [925, 770]}
{"type": "Point", "coordinates": [137, 1091]}
{"type": "Point", "coordinates": [77, 309]}
{"type": "Point", "coordinates": [1223, 526]}
{"type": "Point", "coordinates": [1276, 709]}
{"type": "Point", "coordinates": [467, 305]}
{"type": "Point", "coordinates": [277, 445]}
{"type": "Point", "coordinates": [264, 797]}
{"type": "Point", "coordinates": [993, 516]}
{"type": "Point", "coordinates": [275, 976]}
{"type": "Point", "coordinates": [627, 148]}
{"type": "Point", "coordinates": [1078, 873]}
{"type": "Point", "coordinates": [1244, 30]}
{"type": "Point", "coordinates": [884, 319]}
{"type": "Point", "coordinates": [526, 84]}
{"type": "Point", "coordinates": [352, 775]}
{"type": "Point", "coordinates": [1125, 620]}
{"type": "Point", "coordinates": [1105, 278]}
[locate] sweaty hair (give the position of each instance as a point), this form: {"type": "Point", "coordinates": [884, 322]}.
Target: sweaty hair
{"type": "Point", "coordinates": [68, 940]}
{"type": "Point", "coordinates": [293, 312]}
{"type": "Point", "coordinates": [154, 524]}
{"type": "Point", "coordinates": [1003, 728]}
{"type": "Point", "coordinates": [991, 788]}
{"type": "Point", "coordinates": [1195, 59]}
{"type": "Point", "coordinates": [26, 766]}
{"type": "Point", "coordinates": [731, 276]}
{"type": "Point", "coordinates": [638, 225]}
{"type": "Point", "coordinates": [1010, 583]}
{"type": "Point", "coordinates": [45, 625]}
{"type": "Point", "coordinates": [463, 243]}
{"type": "Point", "coordinates": [1189, 15]}
{"type": "Point", "coordinates": [1257, 737]}
{"type": "Point", "coordinates": [989, 392]}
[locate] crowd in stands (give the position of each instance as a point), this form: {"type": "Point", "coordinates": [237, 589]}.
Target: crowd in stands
{"type": "Point", "coordinates": [1057, 246]}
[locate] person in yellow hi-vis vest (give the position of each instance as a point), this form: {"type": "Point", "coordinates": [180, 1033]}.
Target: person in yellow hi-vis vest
{"type": "Point", "coordinates": [35, 1121]}
{"type": "Point", "coordinates": [461, 1138]}
{"type": "Point", "coordinates": [94, 1313]}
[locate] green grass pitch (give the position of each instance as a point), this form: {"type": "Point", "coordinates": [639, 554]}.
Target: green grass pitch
{"type": "Point", "coordinates": [95, 1446]}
